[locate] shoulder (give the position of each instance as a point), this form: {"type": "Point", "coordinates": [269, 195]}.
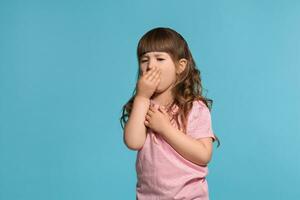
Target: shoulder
{"type": "Point", "coordinates": [199, 112]}
{"type": "Point", "coordinates": [199, 103]}
{"type": "Point", "coordinates": [199, 106]}
{"type": "Point", "coordinates": [199, 121]}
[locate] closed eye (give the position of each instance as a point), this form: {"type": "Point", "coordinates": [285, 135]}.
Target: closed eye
{"type": "Point", "coordinates": [160, 59]}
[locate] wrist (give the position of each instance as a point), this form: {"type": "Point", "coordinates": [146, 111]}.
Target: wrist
{"type": "Point", "coordinates": [167, 129]}
{"type": "Point", "coordinates": [142, 98]}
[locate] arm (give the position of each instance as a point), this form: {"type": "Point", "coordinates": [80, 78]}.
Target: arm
{"type": "Point", "coordinates": [135, 129]}
{"type": "Point", "coordinates": [198, 151]}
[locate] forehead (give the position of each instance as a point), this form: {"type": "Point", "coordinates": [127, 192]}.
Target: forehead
{"type": "Point", "coordinates": [155, 53]}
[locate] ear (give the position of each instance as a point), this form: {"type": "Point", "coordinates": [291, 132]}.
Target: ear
{"type": "Point", "coordinates": [181, 65]}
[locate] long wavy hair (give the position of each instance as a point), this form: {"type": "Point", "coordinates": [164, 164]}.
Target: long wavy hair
{"type": "Point", "coordinates": [188, 86]}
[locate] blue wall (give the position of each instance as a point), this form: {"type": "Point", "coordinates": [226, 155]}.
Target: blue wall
{"type": "Point", "coordinates": [67, 67]}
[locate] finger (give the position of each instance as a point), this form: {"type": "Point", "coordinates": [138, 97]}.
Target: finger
{"type": "Point", "coordinates": [150, 72]}
{"type": "Point", "coordinates": [156, 76]}
{"type": "Point", "coordinates": [148, 114]}
{"type": "Point", "coordinates": [146, 123]}
{"type": "Point", "coordinates": [147, 117]}
{"type": "Point", "coordinates": [153, 74]}
{"type": "Point", "coordinates": [151, 111]}
{"type": "Point", "coordinates": [162, 108]}
{"type": "Point", "coordinates": [157, 81]}
{"type": "Point", "coordinates": [153, 108]}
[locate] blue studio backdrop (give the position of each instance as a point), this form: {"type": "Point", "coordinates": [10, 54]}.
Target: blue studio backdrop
{"type": "Point", "coordinates": [68, 67]}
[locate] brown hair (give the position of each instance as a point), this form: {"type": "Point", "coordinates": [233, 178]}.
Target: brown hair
{"type": "Point", "coordinates": [188, 85]}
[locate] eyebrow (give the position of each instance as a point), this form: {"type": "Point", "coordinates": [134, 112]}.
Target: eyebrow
{"type": "Point", "coordinates": [156, 55]}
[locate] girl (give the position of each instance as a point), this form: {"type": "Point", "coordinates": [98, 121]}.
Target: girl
{"type": "Point", "coordinates": [168, 120]}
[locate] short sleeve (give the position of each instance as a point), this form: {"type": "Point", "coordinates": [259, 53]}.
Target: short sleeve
{"type": "Point", "coordinates": [199, 121]}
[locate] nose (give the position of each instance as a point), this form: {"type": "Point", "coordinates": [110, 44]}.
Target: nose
{"type": "Point", "coordinates": [151, 64]}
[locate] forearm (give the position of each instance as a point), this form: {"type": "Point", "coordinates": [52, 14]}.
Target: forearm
{"type": "Point", "coordinates": [188, 147]}
{"type": "Point", "coordinates": [135, 129]}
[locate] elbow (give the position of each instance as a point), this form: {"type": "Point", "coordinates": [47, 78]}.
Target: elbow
{"type": "Point", "coordinates": [208, 159]}
{"type": "Point", "coordinates": [204, 161]}
{"type": "Point", "coordinates": [131, 145]}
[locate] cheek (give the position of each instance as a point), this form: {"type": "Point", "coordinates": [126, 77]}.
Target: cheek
{"type": "Point", "coordinates": [167, 77]}
{"type": "Point", "coordinates": [142, 69]}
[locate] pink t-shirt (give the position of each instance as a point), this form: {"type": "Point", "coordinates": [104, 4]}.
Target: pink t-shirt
{"type": "Point", "coordinates": [164, 174]}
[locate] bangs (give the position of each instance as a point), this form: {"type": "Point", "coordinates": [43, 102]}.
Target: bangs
{"type": "Point", "coordinates": [156, 41]}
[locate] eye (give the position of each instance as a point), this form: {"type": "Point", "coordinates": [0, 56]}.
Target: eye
{"type": "Point", "coordinates": [142, 61]}
{"type": "Point", "coordinates": [160, 59]}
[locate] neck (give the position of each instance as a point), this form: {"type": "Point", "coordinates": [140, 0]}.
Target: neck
{"type": "Point", "coordinates": [164, 99]}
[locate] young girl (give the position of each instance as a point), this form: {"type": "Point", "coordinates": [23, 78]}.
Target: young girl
{"type": "Point", "coordinates": [168, 121]}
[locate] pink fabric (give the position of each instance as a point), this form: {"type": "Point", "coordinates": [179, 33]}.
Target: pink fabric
{"type": "Point", "coordinates": [164, 174]}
